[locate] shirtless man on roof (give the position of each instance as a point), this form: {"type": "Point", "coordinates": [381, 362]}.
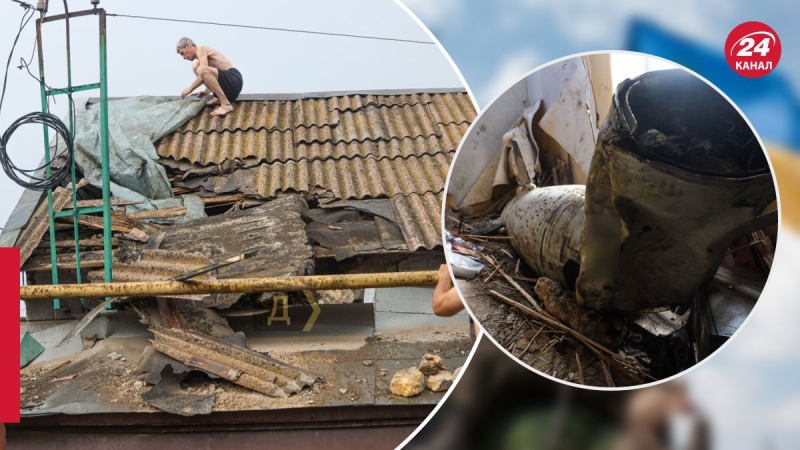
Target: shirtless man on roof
{"type": "Point", "coordinates": [214, 71]}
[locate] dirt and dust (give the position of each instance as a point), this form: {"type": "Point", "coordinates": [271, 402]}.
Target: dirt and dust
{"type": "Point", "coordinates": [548, 349]}
{"type": "Point", "coordinates": [92, 372]}
{"type": "Point", "coordinates": [346, 379]}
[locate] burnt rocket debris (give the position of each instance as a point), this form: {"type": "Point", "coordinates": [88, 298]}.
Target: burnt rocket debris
{"type": "Point", "coordinates": [647, 263]}
{"type": "Point", "coordinates": [676, 176]}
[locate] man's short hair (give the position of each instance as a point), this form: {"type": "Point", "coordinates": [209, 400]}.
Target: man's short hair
{"type": "Point", "coordinates": [183, 43]}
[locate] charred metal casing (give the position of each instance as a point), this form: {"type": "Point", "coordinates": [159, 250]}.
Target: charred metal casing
{"type": "Point", "coordinates": [545, 227]}
{"type": "Point", "coordinates": [677, 174]}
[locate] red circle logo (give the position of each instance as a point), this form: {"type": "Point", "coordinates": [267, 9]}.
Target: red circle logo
{"type": "Point", "coordinates": [753, 49]}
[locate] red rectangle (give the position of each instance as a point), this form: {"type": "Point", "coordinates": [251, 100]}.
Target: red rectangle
{"type": "Point", "coordinates": [9, 340]}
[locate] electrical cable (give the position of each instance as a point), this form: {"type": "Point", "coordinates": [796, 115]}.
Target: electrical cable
{"type": "Point", "coordinates": [288, 30]}
{"type": "Point", "coordinates": [58, 174]}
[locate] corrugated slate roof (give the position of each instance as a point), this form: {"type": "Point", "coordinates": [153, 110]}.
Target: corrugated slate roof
{"type": "Point", "coordinates": [272, 115]}
{"type": "Point", "coordinates": [214, 148]}
{"type": "Point", "coordinates": [452, 108]}
{"type": "Point", "coordinates": [355, 102]}
{"type": "Point", "coordinates": [354, 147]}
{"type": "Point", "coordinates": [356, 178]}
{"type": "Point", "coordinates": [419, 218]}
{"type": "Point", "coordinates": [279, 146]}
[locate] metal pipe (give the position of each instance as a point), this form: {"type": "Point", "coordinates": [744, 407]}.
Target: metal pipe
{"type": "Point", "coordinates": [242, 285]}
{"type": "Point", "coordinates": [50, 214]}
{"type": "Point", "coordinates": [104, 146]}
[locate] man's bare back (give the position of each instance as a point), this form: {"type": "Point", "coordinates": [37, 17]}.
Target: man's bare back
{"type": "Point", "coordinates": [215, 59]}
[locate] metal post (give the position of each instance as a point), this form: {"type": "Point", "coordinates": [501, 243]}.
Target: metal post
{"type": "Point", "coordinates": [104, 149]}
{"type": "Point", "coordinates": [71, 114]}
{"type": "Point", "coordinates": [54, 270]}
{"type": "Point", "coordinates": [104, 142]}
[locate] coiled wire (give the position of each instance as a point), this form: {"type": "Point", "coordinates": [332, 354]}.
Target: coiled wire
{"type": "Point", "coordinates": [28, 178]}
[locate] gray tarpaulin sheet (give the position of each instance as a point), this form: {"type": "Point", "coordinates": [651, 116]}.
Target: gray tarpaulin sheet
{"type": "Point", "coordinates": [134, 124]}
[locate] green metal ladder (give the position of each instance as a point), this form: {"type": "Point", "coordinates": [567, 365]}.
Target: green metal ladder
{"type": "Point", "coordinates": [69, 90]}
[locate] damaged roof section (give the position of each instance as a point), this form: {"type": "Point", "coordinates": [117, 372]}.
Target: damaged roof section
{"type": "Point", "coordinates": [336, 149]}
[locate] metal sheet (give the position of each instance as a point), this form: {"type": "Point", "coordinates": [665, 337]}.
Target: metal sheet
{"type": "Point", "coordinates": [356, 178]}
{"type": "Point", "coordinates": [29, 349]}
{"type": "Point", "coordinates": [419, 218]}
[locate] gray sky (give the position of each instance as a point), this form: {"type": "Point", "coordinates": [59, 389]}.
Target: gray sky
{"type": "Point", "coordinates": [142, 58]}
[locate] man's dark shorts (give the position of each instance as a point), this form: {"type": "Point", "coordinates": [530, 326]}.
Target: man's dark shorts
{"type": "Point", "coordinates": [231, 83]}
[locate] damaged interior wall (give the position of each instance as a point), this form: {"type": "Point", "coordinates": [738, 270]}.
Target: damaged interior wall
{"type": "Point", "coordinates": [553, 93]}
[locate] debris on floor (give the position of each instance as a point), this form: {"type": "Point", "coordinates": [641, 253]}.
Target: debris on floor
{"type": "Point", "coordinates": [29, 349]}
{"type": "Point", "coordinates": [407, 382]}
{"type": "Point", "coordinates": [431, 364]}
{"type": "Point", "coordinates": [168, 396]}
{"type": "Point", "coordinates": [439, 381]}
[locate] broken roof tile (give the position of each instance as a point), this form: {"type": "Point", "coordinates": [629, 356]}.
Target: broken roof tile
{"type": "Point", "coordinates": [314, 113]}
{"type": "Point", "coordinates": [356, 178]}
{"type": "Point", "coordinates": [393, 148]}
{"type": "Point", "coordinates": [355, 102]}
{"type": "Point", "coordinates": [373, 123]}
{"type": "Point", "coordinates": [419, 218]}
{"type": "Point", "coordinates": [366, 124]}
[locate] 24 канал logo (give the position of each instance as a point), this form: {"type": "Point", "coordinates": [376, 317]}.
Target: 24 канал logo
{"type": "Point", "coordinates": [753, 49]}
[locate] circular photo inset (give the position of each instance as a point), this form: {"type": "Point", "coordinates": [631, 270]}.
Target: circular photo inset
{"type": "Point", "coordinates": [611, 220]}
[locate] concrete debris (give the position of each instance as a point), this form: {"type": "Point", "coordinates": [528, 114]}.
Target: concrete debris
{"type": "Point", "coordinates": [168, 396]}
{"type": "Point", "coordinates": [440, 381]}
{"type": "Point", "coordinates": [335, 297]}
{"type": "Point", "coordinates": [115, 356]}
{"type": "Point", "coordinates": [368, 363]}
{"type": "Point", "coordinates": [407, 382]}
{"type": "Point", "coordinates": [457, 372]}
{"type": "Point", "coordinates": [431, 364]}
